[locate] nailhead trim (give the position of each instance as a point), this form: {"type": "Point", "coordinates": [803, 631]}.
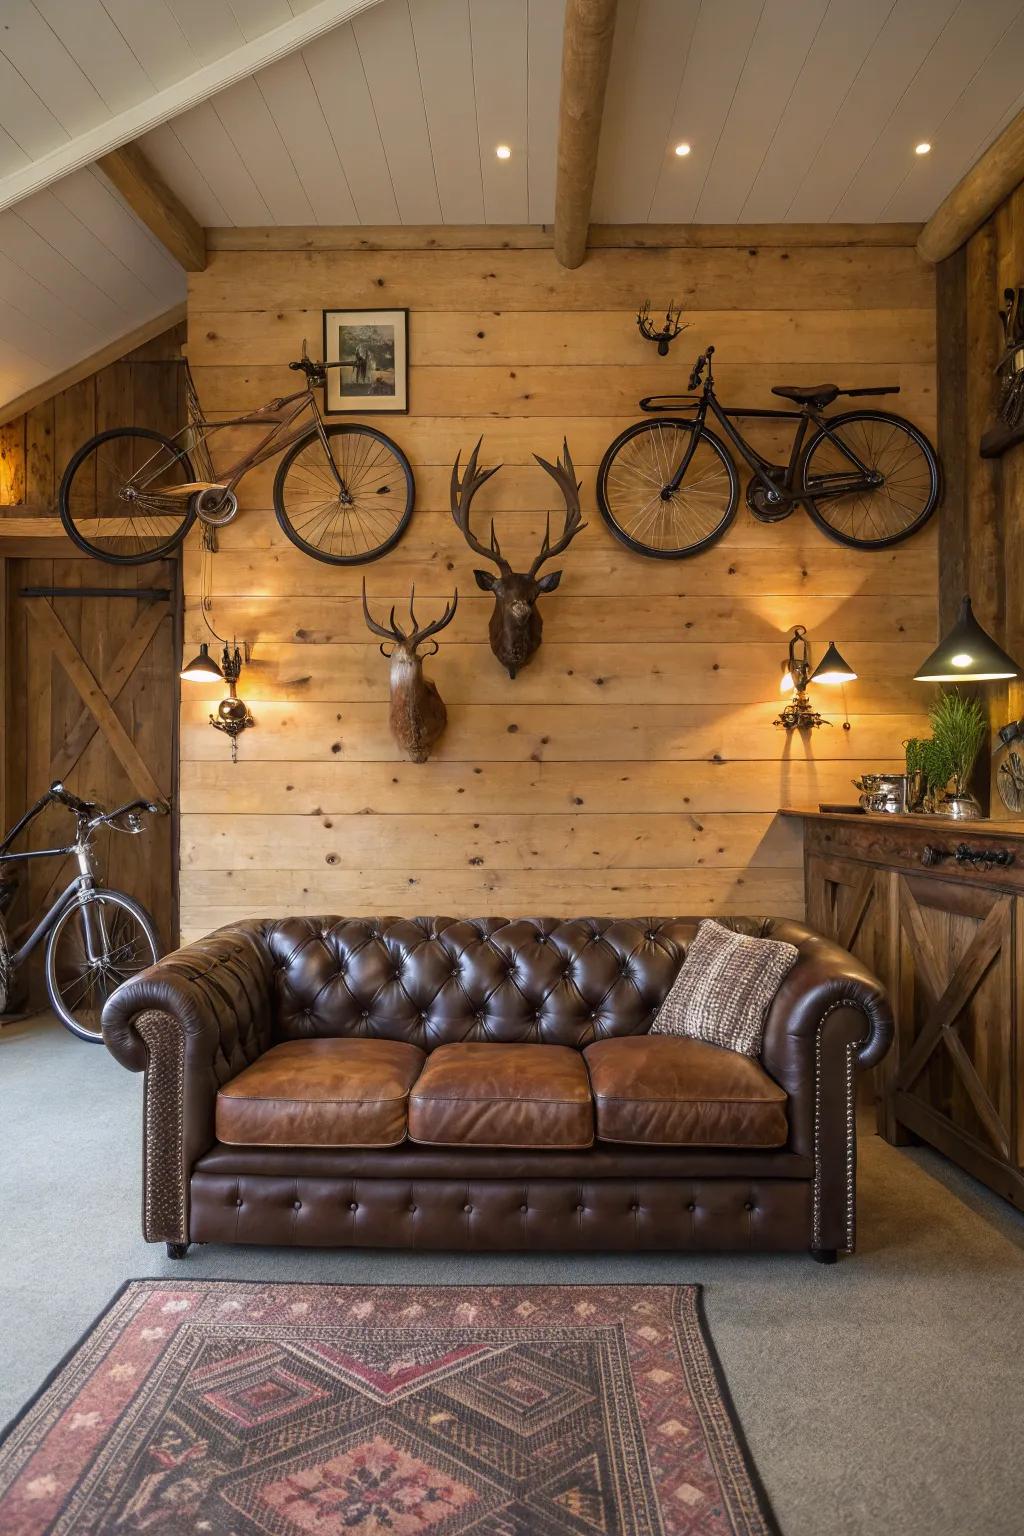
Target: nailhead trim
{"type": "Point", "coordinates": [852, 1048]}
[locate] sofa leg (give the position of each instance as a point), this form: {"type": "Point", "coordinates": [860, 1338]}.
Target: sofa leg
{"type": "Point", "coordinates": [177, 1250]}
{"type": "Point", "coordinates": [819, 1255]}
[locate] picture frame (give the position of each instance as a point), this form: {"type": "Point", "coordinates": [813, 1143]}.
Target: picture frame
{"type": "Point", "coordinates": [373, 347]}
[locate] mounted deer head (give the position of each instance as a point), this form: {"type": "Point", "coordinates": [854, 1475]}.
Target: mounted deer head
{"type": "Point", "coordinates": [417, 716]}
{"type": "Point", "coordinates": [516, 625]}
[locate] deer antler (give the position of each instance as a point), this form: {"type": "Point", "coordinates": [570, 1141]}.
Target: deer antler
{"type": "Point", "coordinates": [564, 475]}
{"type": "Point", "coordinates": [391, 631]}
{"type": "Point", "coordinates": [462, 493]}
{"type": "Point", "coordinates": [419, 635]}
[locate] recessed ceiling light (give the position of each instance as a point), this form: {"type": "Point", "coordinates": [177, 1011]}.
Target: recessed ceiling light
{"type": "Point", "coordinates": [924, 148]}
{"type": "Point", "coordinates": [682, 149]}
{"type": "Point", "coordinates": [503, 152]}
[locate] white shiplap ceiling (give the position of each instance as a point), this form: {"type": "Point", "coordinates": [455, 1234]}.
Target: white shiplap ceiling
{"type": "Point", "coordinates": [802, 110]}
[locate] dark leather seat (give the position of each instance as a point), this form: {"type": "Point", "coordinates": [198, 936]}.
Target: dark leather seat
{"type": "Point", "coordinates": [321, 1093]}
{"type": "Point", "coordinates": [499, 1013]}
{"type": "Point", "coordinates": [493, 1095]}
{"type": "Point", "coordinates": [809, 394]}
{"type": "Point", "coordinates": [661, 1090]}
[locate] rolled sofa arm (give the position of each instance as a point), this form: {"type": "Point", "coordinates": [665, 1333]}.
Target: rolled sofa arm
{"type": "Point", "coordinates": [830, 1017]}
{"type": "Point", "coordinates": [191, 1022]}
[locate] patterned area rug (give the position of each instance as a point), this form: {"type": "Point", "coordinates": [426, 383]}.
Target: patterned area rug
{"type": "Point", "coordinates": [287, 1410]}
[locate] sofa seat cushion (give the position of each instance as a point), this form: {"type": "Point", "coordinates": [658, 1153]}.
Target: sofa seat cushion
{"type": "Point", "coordinates": [665, 1090]}
{"type": "Point", "coordinates": [321, 1093]}
{"type": "Point", "coordinates": [485, 1094]}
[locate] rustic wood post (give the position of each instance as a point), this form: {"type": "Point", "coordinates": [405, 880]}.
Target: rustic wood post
{"type": "Point", "coordinates": [586, 55]}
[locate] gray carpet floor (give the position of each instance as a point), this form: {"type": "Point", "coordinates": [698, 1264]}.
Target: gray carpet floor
{"type": "Point", "coordinates": [883, 1394]}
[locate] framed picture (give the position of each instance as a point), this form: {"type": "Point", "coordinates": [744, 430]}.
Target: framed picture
{"type": "Point", "coordinates": [372, 346]}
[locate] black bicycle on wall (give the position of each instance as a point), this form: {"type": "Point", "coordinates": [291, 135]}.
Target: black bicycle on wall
{"type": "Point", "coordinates": [669, 488]}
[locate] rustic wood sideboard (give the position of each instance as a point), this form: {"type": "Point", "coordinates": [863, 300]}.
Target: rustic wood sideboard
{"type": "Point", "coordinates": [936, 909]}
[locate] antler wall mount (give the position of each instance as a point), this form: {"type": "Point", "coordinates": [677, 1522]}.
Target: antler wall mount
{"type": "Point", "coordinates": [664, 337]}
{"type": "Point", "coordinates": [516, 625]}
{"type": "Point", "coordinates": [417, 715]}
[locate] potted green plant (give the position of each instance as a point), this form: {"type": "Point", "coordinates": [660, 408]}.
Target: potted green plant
{"type": "Point", "coordinates": [914, 755]}
{"type": "Point", "coordinates": [959, 731]}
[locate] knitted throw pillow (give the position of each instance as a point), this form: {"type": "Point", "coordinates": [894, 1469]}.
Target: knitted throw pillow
{"type": "Point", "coordinates": [724, 988]}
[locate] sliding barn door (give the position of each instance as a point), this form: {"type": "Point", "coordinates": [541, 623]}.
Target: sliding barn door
{"type": "Point", "coordinates": [92, 699]}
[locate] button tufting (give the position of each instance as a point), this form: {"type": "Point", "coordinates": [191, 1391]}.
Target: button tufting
{"type": "Point", "coordinates": [412, 1210]}
{"type": "Point", "coordinates": [353, 1205]}
{"type": "Point", "coordinates": [467, 1209]}
{"type": "Point", "coordinates": [524, 1208]}
{"type": "Point", "coordinates": [634, 1206]}
{"type": "Point", "coordinates": [297, 1205]}
{"type": "Point", "coordinates": [579, 1210]}
{"type": "Point", "coordinates": [692, 1206]}
{"type": "Point", "coordinates": [748, 1205]}
{"type": "Point", "coordinates": [238, 1202]}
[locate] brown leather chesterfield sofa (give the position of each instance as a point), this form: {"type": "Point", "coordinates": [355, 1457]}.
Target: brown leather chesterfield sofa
{"type": "Point", "coordinates": [489, 1084]}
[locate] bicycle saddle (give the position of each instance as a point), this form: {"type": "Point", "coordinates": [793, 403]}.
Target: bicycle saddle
{"type": "Point", "coordinates": [811, 394]}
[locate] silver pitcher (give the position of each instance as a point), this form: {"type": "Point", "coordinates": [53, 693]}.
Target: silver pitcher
{"type": "Point", "coordinates": [883, 794]}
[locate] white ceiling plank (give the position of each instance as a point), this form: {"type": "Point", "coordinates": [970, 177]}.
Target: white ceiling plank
{"type": "Point", "coordinates": [718, 51]}
{"type": "Point", "coordinates": [973, 31]}
{"type": "Point", "coordinates": [178, 96]}
{"type": "Point", "coordinates": [44, 63]}
{"type": "Point", "coordinates": [289, 93]}
{"type": "Point", "coordinates": [205, 138]}
{"type": "Point", "coordinates": [164, 150]}
{"type": "Point", "coordinates": [784, 35]}
{"type": "Point", "coordinates": [11, 155]}
{"type": "Point", "coordinates": [210, 26]}
{"type": "Point", "coordinates": [900, 48]}
{"type": "Point", "coordinates": [352, 124]}
{"type": "Point", "coordinates": [248, 119]}
{"type": "Point", "coordinates": [28, 250]}
{"type": "Point", "coordinates": [52, 220]}
{"type": "Point", "coordinates": [444, 50]}
{"type": "Point", "coordinates": [652, 44]}
{"type": "Point", "coordinates": [18, 372]}
{"type": "Point", "coordinates": [972, 122]}
{"type": "Point", "coordinates": [99, 50]}
{"type": "Point", "coordinates": [388, 51]}
{"type": "Point", "coordinates": [103, 211]}
{"type": "Point", "coordinates": [498, 30]}
{"type": "Point", "coordinates": [27, 120]}
{"type": "Point", "coordinates": [544, 79]}
{"type": "Point", "coordinates": [44, 308]}
{"type": "Point", "coordinates": [843, 41]}
{"type": "Point", "coordinates": [32, 339]}
{"type": "Point", "coordinates": [156, 40]}
{"type": "Point", "coordinates": [255, 17]}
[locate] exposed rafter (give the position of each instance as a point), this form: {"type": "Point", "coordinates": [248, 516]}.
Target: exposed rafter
{"type": "Point", "coordinates": [195, 88]}
{"type": "Point", "coordinates": [991, 178]}
{"type": "Point", "coordinates": [152, 200]}
{"type": "Point", "coordinates": [586, 56]}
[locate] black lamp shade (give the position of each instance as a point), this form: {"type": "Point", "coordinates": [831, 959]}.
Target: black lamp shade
{"type": "Point", "coordinates": [202, 668]}
{"type": "Point", "coordinates": [832, 668]}
{"type": "Point", "coordinates": [967, 654]}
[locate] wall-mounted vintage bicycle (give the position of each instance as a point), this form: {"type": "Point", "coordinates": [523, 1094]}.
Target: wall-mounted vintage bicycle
{"type": "Point", "coordinates": [669, 488]}
{"type": "Point", "coordinates": [343, 493]}
{"type": "Point", "coordinates": [95, 938]}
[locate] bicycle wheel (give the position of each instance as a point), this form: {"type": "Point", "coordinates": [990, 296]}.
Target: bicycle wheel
{"type": "Point", "coordinates": [358, 521]}
{"type": "Point", "coordinates": [632, 494]}
{"type": "Point", "coordinates": [114, 500]}
{"type": "Point", "coordinates": [885, 514]}
{"type": "Point", "coordinates": [92, 949]}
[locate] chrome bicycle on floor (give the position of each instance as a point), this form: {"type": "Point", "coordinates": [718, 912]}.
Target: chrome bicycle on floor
{"type": "Point", "coordinates": [95, 938]}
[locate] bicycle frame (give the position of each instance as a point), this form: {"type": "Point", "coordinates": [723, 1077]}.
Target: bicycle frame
{"type": "Point", "coordinates": [78, 891]}
{"type": "Point", "coordinates": [757, 463]}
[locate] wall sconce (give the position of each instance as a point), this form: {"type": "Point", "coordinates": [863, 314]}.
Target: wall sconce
{"type": "Point", "coordinates": [831, 670]}
{"type": "Point", "coordinates": [233, 716]}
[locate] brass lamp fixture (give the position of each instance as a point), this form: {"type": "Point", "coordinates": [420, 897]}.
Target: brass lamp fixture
{"type": "Point", "coordinates": [233, 715]}
{"type": "Point", "coordinates": [832, 670]}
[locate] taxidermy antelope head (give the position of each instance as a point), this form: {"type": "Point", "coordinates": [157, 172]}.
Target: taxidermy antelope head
{"type": "Point", "coordinates": [417, 716]}
{"type": "Point", "coordinates": [516, 625]}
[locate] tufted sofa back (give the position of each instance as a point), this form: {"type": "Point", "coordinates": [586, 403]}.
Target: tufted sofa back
{"type": "Point", "coordinates": [434, 980]}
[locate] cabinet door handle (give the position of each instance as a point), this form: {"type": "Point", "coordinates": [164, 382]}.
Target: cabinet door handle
{"type": "Point", "coordinates": [964, 855]}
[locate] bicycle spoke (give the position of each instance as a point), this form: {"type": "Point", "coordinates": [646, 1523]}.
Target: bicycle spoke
{"type": "Point", "coordinates": [360, 520]}
{"type": "Point", "coordinates": [870, 514]}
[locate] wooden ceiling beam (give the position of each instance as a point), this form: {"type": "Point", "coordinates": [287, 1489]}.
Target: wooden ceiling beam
{"type": "Point", "coordinates": [990, 180]}
{"type": "Point", "coordinates": [151, 199]}
{"type": "Point", "coordinates": [586, 56]}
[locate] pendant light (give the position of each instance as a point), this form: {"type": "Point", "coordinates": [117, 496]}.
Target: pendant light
{"type": "Point", "coordinates": [968, 654]}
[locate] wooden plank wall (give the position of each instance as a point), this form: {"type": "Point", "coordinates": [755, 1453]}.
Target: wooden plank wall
{"type": "Point", "coordinates": [633, 767]}
{"type": "Point", "coordinates": [47, 730]}
{"type": "Point", "coordinates": [982, 544]}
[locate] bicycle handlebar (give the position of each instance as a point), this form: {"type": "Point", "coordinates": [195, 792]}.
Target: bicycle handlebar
{"type": "Point", "coordinates": [697, 371]}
